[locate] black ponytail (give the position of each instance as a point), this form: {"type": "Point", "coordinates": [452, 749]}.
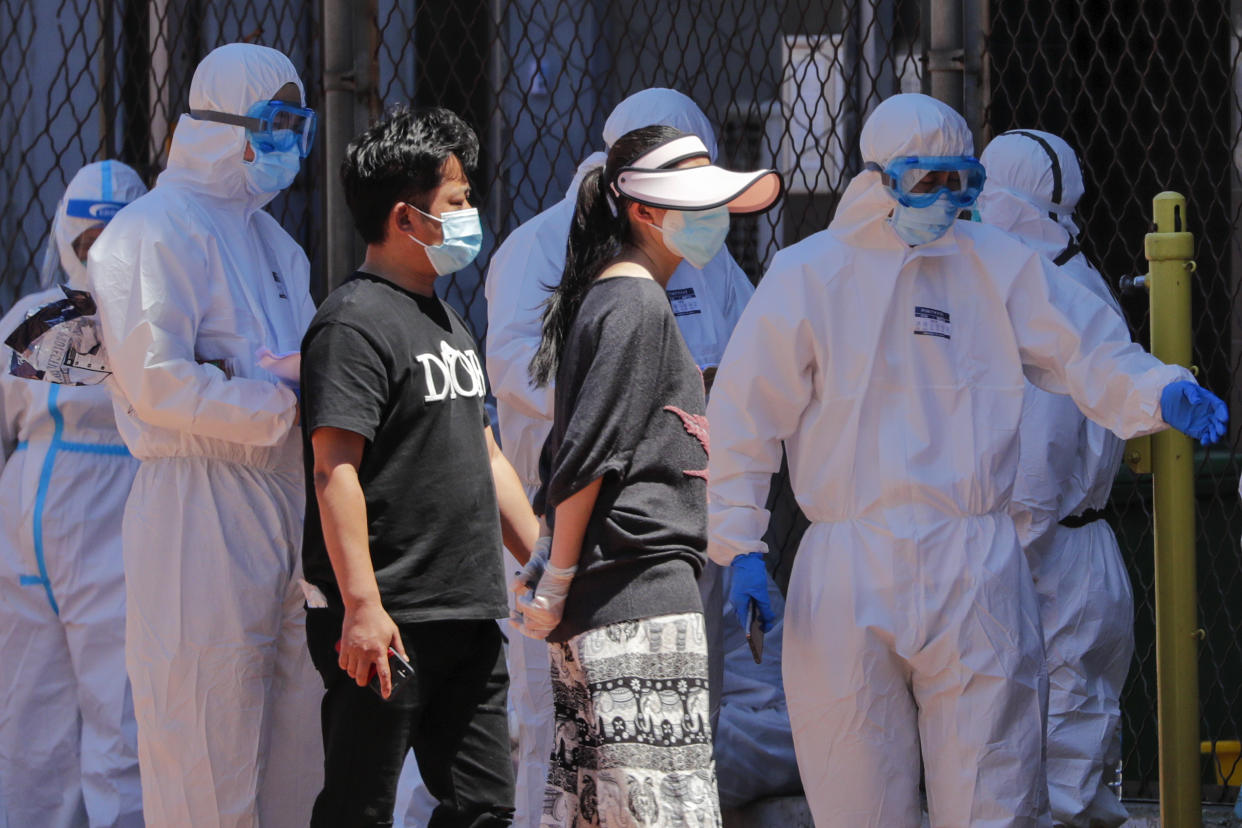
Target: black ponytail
{"type": "Point", "coordinates": [595, 238]}
{"type": "Point", "coordinates": [599, 230]}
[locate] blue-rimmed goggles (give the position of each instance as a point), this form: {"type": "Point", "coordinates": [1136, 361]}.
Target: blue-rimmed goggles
{"type": "Point", "coordinates": [960, 177]}
{"type": "Point", "coordinates": [271, 126]}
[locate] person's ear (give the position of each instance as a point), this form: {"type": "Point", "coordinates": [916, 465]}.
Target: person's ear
{"type": "Point", "coordinates": [643, 214]}
{"type": "Point", "coordinates": [401, 218]}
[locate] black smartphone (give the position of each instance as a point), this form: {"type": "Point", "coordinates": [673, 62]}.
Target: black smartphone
{"type": "Point", "coordinates": [401, 673]}
{"type": "Point", "coordinates": [754, 632]}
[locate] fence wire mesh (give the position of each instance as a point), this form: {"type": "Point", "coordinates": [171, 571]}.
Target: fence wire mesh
{"type": "Point", "coordinates": [1148, 92]}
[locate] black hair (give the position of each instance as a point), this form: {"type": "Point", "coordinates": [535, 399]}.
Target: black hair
{"type": "Point", "coordinates": [600, 228]}
{"type": "Point", "coordinates": [402, 157]}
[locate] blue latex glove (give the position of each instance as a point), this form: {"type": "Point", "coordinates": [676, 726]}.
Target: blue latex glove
{"type": "Point", "coordinates": [1194, 411]}
{"type": "Point", "coordinates": [750, 583]}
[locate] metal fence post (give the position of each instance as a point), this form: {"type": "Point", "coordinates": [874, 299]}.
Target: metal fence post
{"type": "Point", "coordinates": [975, 92]}
{"type": "Point", "coordinates": [338, 123]}
{"type": "Point", "coordinates": [945, 57]}
{"type": "Point", "coordinates": [346, 81]}
{"type": "Point", "coordinates": [1170, 252]}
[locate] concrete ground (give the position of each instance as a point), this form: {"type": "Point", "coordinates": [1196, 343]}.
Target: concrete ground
{"type": "Point", "coordinates": [792, 812]}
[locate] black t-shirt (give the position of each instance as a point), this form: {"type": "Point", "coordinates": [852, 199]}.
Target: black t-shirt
{"type": "Point", "coordinates": [403, 371]}
{"type": "Point", "coordinates": [629, 409]}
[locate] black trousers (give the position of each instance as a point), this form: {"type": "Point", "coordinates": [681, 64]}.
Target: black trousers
{"type": "Point", "coordinates": [452, 714]}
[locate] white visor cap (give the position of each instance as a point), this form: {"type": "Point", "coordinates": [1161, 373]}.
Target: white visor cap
{"type": "Point", "coordinates": [655, 180]}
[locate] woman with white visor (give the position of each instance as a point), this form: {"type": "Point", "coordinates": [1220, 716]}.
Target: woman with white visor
{"type": "Point", "coordinates": [624, 490]}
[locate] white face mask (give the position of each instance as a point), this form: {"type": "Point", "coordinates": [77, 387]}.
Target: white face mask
{"type": "Point", "coordinates": [463, 239]}
{"type": "Point", "coordinates": [696, 235]}
{"type": "Point", "coordinates": [921, 225]}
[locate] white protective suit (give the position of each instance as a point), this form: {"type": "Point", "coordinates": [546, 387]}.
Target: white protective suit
{"type": "Point", "coordinates": [191, 281]}
{"type": "Point", "coordinates": [707, 304]}
{"type": "Point", "coordinates": [894, 375]}
{"type": "Point", "coordinates": [1066, 467]}
{"type": "Point", "coordinates": [68, 742]}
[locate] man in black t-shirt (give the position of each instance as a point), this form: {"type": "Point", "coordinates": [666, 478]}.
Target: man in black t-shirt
{"type": "Point", "coordinates": [412, 496]}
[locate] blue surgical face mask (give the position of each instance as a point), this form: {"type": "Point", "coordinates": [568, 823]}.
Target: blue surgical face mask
{"type": "Point", "coordinates": [271, 172]}
{"type": "Point", "coordinates": [921, 225]}
{"type": "Point", "coordinates": [463, 238]}
{"type": "Point", "coordinates": [696, 235]}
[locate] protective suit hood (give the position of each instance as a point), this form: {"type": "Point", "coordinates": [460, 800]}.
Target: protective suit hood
{"type": "Point", "coordinates": [207, 156]}
{"type": "Point", "coordinates": [100, 182]}
{"type": "Point", "coordinates": [906, 124]}
{"type": "Point", "coordinates": [666, 107]}
{"type": "Point", "coordinates": [1034, 183]}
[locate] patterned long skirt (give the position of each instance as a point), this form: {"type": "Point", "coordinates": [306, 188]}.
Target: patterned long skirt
{"type": "Point", "coordinates": [633, 735]}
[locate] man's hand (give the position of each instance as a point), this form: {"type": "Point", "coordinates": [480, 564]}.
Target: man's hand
{"type": "Point", "coordinates": [366, 635]}
{"type": "Point", "coordinates": [527, 580]}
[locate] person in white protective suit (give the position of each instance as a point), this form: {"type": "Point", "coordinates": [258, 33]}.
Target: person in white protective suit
{"type": "Point", "coordinates": [68, 742]}
{"type": "Point", "coordinates": [888, 353]}
{"type": "Point", "coordinates": [192, 281]}
{"type": "Point", "coordinates": [1065, 475]}
{"type": "Point", "coordinates": [707, 303]}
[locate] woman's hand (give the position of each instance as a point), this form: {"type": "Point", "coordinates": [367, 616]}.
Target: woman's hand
{"type": "Point", "coordinates": [539, 614]}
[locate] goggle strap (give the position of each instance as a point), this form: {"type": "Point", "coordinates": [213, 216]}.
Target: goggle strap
{"type": "Point", "coordinates": [1071, 250]}
{"type": "Point", "coordinates": [1056, 165]}
{"type": "Point", "coordinates": [252, 124]}
{"type": "Point", "coordinates": [885, 178]}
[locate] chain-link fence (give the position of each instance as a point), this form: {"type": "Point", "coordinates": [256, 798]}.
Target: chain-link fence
{"type": "Point", "coordinates": [1148, 92]}
{"type": "Point", "coordinates": [86, 80]}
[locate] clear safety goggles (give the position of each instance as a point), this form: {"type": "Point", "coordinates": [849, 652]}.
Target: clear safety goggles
{"type": "Point", "coordinates": [960, 177]}
{"type": "Point", "coordinates": [271, 126]}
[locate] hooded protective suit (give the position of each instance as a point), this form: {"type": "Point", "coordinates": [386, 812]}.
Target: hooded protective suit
{"type": "Point", "coordinates": [894, 375]}
{"type": "Point", "coordinates": [68, 742]}
{"type": "Point", "coordinates": [1065, 469]}
{"type": "Point", "coordinates": [191, 281]}
{"type": "Point", "coordinates": [707, 304]}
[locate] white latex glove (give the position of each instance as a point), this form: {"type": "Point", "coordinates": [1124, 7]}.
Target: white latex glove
{"type": "Point", "coordinates": [286, 366]}
{"type": "Point", "coordinates": [528, 579]}
{"type": "Point", "coordinates": [540, 614]}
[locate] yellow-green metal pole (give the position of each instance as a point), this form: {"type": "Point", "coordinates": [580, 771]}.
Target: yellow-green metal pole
{"type": "Point", "coordinates": [1170, 252]}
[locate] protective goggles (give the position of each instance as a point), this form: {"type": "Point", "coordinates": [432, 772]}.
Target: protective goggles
{"type": "Point", "coordinates": [960, 177]}
{"type": "Point", "coordinates": [271, 126]}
